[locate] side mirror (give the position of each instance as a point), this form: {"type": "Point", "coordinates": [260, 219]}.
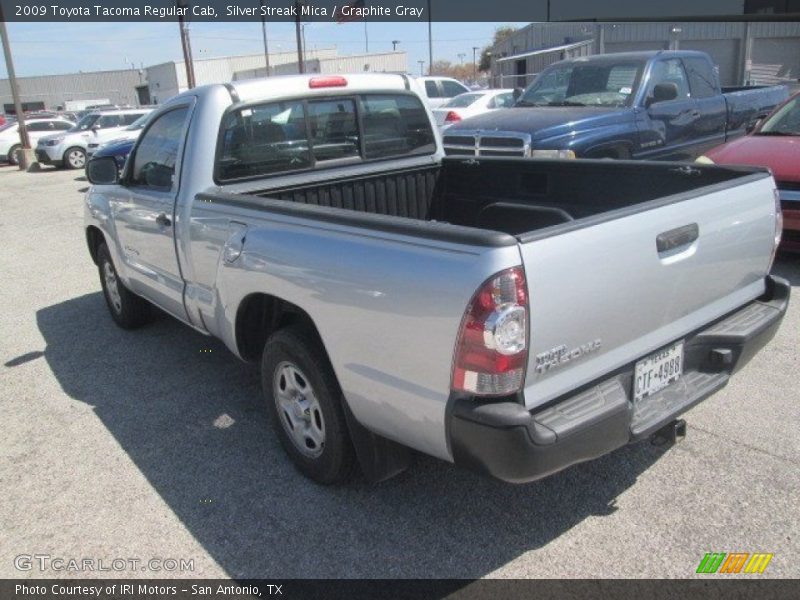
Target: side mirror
{"type": "Point", "coordinates": [102, 171]}
{"type": "Point", "coordinates": [663, 92]}
{"type": "Point", "coordinates": [517, 93]}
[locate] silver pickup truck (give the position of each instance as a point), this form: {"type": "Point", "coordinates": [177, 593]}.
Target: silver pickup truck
{"type": "Point", "coordinates": [513, 316]}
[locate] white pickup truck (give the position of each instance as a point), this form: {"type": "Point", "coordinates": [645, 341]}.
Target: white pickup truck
{"type": "Point", "coordinates": [514, 316]}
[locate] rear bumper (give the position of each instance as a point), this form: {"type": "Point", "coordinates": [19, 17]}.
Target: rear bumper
{"type": "Point", "coordinates": [506, 441]}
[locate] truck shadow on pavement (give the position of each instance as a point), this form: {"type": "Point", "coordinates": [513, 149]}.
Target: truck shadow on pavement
{"type": "Point", "coordinates": [189, 416]}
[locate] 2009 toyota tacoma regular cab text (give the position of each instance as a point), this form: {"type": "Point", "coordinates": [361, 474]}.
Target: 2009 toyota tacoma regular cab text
{"type": "Point", "coordinates": [510, 315]}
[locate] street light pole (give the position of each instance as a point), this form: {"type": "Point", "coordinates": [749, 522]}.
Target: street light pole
{"type": "Point", "coordinates": [394, 45]}
{"type": "Point", "coordinates": [24, 156]}
{"type": "Point", "coordinates": [421, 64]}
{"type": "Point", "coordinates": [264, 34]}
{"type": "Point", "coordinates": [475, 63]}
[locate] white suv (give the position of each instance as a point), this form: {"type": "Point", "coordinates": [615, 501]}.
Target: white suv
{"type": "Point", "coordinates": [438, 90]}
{"type": "Point", "coordinates": [69, 149]}
{"type": "Point", "coordinates": [37, 128]}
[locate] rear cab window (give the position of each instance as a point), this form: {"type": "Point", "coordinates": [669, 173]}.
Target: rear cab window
{"type": "Point", "coordinates": [316, 133]}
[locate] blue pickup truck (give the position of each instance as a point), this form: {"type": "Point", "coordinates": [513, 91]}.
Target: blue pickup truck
{"type": "Point", "coordinates": [662, 105]}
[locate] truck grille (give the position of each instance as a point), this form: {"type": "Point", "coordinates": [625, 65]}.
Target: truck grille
{"type": "Point", "coordinates": [496, 143]}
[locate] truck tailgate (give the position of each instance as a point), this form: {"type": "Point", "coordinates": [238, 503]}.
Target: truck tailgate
{"type": "Point", "coordinates": [603, 296]}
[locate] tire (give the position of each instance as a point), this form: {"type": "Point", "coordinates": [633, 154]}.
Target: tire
{"type": "Point", "coordinates": [305, 403]}
{"type": "Point", "coordinates": [128, 310]}
{"type": "Point", "coordinates": [12, 157]}
{"type": "Point", "coordinates": [75, 158]}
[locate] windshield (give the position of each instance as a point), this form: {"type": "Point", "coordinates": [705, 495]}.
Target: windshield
{"type": "Point", "coordinates": [462, 101]}
{"type": "Point", "coordinates": [784, 122]}
{"type": "Point", "coordinates": [138, 123]}
{"type": "Point", "coordinates": [584, 84]}
{"type": "Point", "coordinates": [86, 122]}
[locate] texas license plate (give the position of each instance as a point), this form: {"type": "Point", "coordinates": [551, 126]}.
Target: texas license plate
{"type": "Point", "coordinates": [657, 371]}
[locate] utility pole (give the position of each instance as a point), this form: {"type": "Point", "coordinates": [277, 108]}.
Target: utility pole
{"type": "Point", "coordinates": [461, 56]}
{"type": "Point", "coordinates": [421, 64]}
{"type": "Point", "coordinates": [394, 45]}
{"type": "Point", "coordinates": [185, 43]}
{"type": "Point", "coordinates": [301, 67]}
{"type": "Point", "coordinates": [264, 35]}
{"type": "Point", "coordinates": [475, 63]}
{"type": "Point", "coordinates": [25, 156]}
{"type": "Point", "coordinates": [430, 37]}
{"type": "Point", "coordinates": [366, 37]}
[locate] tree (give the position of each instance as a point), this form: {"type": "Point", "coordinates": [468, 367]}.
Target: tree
{"type": "Point", "coordinates": [500, 34]}
{"type": "Point", "coordinates": [447, 69]}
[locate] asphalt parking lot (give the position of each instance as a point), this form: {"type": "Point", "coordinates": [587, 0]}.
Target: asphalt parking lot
{"type": "Point", "coordinates": [147, 445]}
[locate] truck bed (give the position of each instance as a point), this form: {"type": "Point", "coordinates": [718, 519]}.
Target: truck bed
{"type": "Point", "coordinates": [474, 201]}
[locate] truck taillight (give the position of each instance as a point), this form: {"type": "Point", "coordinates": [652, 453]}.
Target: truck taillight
{"type": "Point", "coordinates": [778, 228]}
{"type": "Point", "coordinates": [452, 117]}
{"type": "Point", "coordinates": [492, 348]}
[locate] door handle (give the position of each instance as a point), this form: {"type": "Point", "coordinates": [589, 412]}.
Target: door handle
{"type": "Point", "coordinates": [695, 113]}
{"type": "Point", "coordinates": [163, 220]}
{"type": "Point", "coordinates": [675, 238]}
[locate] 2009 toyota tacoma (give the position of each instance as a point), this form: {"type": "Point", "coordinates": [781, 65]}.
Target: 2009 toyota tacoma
{"type": "Point", "coordinates": [511, 315]}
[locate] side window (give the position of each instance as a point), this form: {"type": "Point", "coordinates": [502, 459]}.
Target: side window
{"type": "Point", "coordinates": [265, 139]}
{"type": "Point", "coordinates": [154, 161]}
{"type": "Point", "coordinates": [395, 125]}
{"type": "Point", "coordinates": [334, 133]}
{"type": "Point", "coordinates": [106, 121]}
{"type": "Point", "coordinates": [451, 88]}
{"type": "Point", "coordinates": [62, 125]}
{"type": "Point", "coordinates": [130, 118]}
{"type": "Point", "coordinates": [502, 100]}
{"type": "Point", "coordinates": [702, 78]}
{"type": "Point", "coordinates": [670, 71]}
{"type": "Point", "coordinates": [431, 89]}
{"type": "Point", "coordinates": [35, 126]}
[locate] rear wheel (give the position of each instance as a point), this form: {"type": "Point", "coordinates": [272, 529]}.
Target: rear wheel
{"type": "Point", "coordinates": [128, 310]}
{"type": "Point", "coordinates": [305, 402]}
{"type": "Point", "coordinates": [13, 155]}
{"type": "Point", "coordinates": [75, 158]}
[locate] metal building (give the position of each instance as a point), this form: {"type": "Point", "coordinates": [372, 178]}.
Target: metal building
{"type": "Point", "coordinates": [52, 91]}
{"type": "Point", "coordinates": [168, 79]}
{"type": "Point", "coordinates": [744, 52]}
{"type": "Point", "coordinates": [158, 83]}
{"type": "Point", "coordinates": [386, 62]}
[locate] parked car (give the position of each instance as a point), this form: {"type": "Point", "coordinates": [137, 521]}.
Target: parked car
{"type": "Point", "coordinates": [69, 149]}
{"type": "Point", "coordinates": [497, 313]}
{"type": "Point", "coordinates": [37, 128]}
{"type": "Point", "coordinates": [118, 149]}
{"type": "Point", "coordinates": [438, 90]}
{"type": "Point", "coordinates": [664, 105]}
{"type": "Point", "coordinates": [470, 104]}
{"type": "Point", "coordinates": [775, 143]}
{"type": "Point", "coordinates": [113, 136]}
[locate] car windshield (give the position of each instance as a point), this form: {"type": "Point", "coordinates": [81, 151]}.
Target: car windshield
{"type": "Point", "coordinates": [584, 84]}
{"type": "Point", "coordinates": [86, 122]}
{"type": "Point", "coordinates": [462, 101]}
{"type": "Point", "coordinates": [786, 121]}
{"type": "Point", "coordinates": [138, 123]}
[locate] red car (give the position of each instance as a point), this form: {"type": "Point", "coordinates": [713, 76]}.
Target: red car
{"type": "Point", "coordinates": [775, 143]}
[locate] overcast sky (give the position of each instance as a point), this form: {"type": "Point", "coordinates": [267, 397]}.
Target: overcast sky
{"type": "Point", "coordinates": [50, 48]}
